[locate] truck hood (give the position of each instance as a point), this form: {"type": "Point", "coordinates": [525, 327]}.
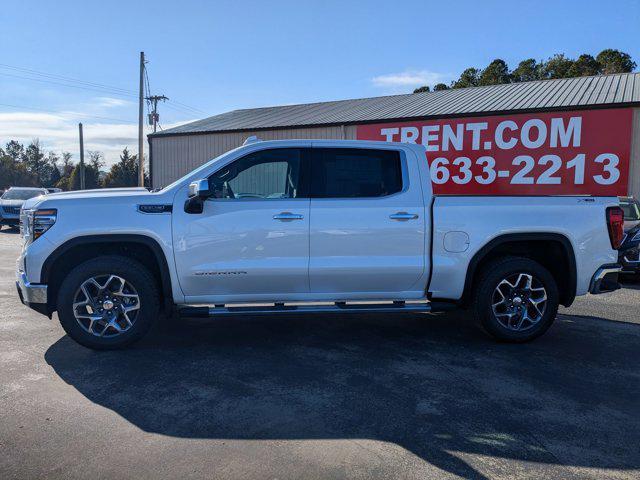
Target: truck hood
{"type": "Point", "coordinates": [119, 195]}
{"type": "Point", "coordinates": [98, 192]}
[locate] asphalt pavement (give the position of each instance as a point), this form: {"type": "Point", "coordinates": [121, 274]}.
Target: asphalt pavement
{"type": "Point", "coordinates": [360, 396]}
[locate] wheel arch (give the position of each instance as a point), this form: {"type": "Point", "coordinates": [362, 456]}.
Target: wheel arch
{"type": "Point", "coordinates": [531, 245]}
{"type": "Point", "coordinates": [79, 249]}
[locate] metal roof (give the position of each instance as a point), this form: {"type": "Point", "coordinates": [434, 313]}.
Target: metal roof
{"type": "Point", "coordinates": [580, 92]}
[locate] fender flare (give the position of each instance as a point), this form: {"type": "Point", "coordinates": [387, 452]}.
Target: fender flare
{"type": "Point", "coordinates": [163, 266]}
{"type": "Point", "coordinates": [569, 294]}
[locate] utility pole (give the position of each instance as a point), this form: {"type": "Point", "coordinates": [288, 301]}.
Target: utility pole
{"type": "Point", "coordinates": [154, 116]}
{"type": "Point", "coordinates": [81, 157]}
{"type": "Point", "coordinates": [141, 124]}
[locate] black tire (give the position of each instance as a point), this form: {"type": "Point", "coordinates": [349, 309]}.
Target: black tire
{"type": "Point", "coordinates": [485, 288]}
{"type": "Point", "coordinates": [135, 274]}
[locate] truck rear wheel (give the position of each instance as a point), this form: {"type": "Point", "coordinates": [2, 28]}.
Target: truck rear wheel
{"type": "Point", "coordinates": [108, 302]}
{"type": "Point", "coordinates": [516, 299]}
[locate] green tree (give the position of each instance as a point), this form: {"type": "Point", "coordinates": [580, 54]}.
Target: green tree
{"type": "Point", "coordinates": [14, 173]}
{"type": "Point", "coordinates": [91, 178]}
{"type": "Point", "coordinates": [67, 164]}
{"type": "Point", "coordinates": [497, 72]}
{"type": "Point", "coordinates": [584, 66]}
{"type": "Point", "coordinates": [54, 171]}
{"type": "Point", "coordinates": [37, 163]}
{"type": "Point", "coordinates": [469, 78]}
{"type": "Point", "coordinates": [526, 71]}
{"type": "Point", "coordinates": [15, 150]}
{"type": "Point", "coordinates": [422, 89]}
{"type": "Point", "coordinates": [557, 66]}
{"type": "Point", "coordinates": [615, 61]}
{"type": "Point", "coordinates": [440, 86]}
{"type": "Point", "coordinates": [124, 173]}
{"type": "Point", "coordinates": [96, 159]}
{"type": "Point", "coordinates": [66, 171]}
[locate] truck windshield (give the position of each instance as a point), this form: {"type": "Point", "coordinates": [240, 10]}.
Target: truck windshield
{"type": "Point", "coordinates": [631, 211]}
{"type": "Point", "coordinates": [25, 194]}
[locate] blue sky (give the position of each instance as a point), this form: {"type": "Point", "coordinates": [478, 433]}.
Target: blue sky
{"type": "Point", "coordinates": [221, 55]}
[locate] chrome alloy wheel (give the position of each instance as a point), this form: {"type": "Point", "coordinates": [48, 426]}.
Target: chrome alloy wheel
{"type": "Point", "coordinates": [106, 305]}
{"type": "Point", "coordinates": [519, 302]}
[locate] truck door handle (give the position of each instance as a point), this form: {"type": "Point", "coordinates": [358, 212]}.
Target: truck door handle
{"type": "Point", "coordinates": [285, 216]}
{"type": "Point", "coordinates": [403, 216]}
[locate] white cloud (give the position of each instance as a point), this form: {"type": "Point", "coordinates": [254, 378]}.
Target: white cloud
{"type": "Point", "coordinates": [108, 102]}
{"type": "Point", "coordinates": [408, 79]}
{"type": "Point", "coordinates": [59, 132]}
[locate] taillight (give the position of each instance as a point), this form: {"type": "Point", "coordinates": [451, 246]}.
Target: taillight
{"type": "Point", "coordinates": [615, 225]}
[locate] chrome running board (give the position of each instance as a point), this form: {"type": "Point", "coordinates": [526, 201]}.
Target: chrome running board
{"type": "Point", "coordinates": [293, 308]}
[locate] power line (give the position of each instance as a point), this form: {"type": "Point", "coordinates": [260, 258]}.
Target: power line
{"type": "Point", "coordinates": [56, 79]}
{"type": "Point", "coordinates": [197, 110]}
{"type": "Point", "coordinates": [62, 77]}
{"type": "Point", "coordinates": [176, 108]}
{"type": "Point", "coordinates": [76, 114]}
{"type": "Point", "coordinates": [82, 87]}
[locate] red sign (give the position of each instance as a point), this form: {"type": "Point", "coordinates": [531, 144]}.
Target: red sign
{"type": "Point", "coordinates": [556, 153]}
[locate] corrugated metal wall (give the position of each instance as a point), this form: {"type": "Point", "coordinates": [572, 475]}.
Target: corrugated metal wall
{"type": "Point", "coordinates": [176, 156]}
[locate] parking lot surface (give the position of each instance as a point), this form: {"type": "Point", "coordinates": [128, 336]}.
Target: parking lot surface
{"type": "Point", "coordinates": [377, 396]}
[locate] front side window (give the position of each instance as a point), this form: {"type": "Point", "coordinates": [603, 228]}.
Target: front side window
{"type": "Point", "coordinates": [267, 174]}
{"type": "Point", "coordinates": [355, 173]}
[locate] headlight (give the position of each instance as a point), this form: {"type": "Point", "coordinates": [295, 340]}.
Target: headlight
{"type": "Point", "coordinates": [36, 222]}
{"type": "Point", "coordinates": [636, 237]}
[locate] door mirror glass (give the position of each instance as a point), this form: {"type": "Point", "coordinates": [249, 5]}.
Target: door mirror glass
{"type": "Point", "coordinates": [199, 188]}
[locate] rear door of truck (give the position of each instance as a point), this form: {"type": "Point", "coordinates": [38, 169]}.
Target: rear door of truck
{"type": "Point", "coordinates": [367, 222]}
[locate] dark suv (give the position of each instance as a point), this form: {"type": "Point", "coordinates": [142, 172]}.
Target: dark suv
{"type": "Point", "coordinates": [629, 251]}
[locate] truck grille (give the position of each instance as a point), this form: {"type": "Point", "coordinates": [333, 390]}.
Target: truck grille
{"type": "Point", "coordinates": [11, 210]}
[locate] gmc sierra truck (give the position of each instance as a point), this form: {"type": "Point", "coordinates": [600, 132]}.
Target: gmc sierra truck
{"type": "Point", "coordinates": [298, 226]}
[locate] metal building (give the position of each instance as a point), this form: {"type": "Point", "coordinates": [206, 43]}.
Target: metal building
{"type": "Point", "coordinates": [607, 109]}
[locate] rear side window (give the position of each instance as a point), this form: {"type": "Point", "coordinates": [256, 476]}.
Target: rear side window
{"type": "Point", "coordinates": [355, 173]}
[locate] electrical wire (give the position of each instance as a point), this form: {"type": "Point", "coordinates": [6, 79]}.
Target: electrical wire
{"type": "Point", "coordinates": [65, 113]}
{"type": "Point", "coordinates": [68, 79]}
{"type": "Point", "coordinates": [63, 81]}
{"type": "Point", "coordinates": [81, 87]}
{"type": "Point", "coordinates": [197, 110]}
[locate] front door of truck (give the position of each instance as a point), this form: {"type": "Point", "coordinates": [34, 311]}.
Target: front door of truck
{"type": "Point", "coordinates": [252, 240]}
{"type": "Point", "coordinates": [367, 223]}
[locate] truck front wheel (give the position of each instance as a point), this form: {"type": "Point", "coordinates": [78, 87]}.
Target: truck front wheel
{"type": "Point", "coordinates": [516, 299]}
{"type": "Point", "coordinates": [108, 302]}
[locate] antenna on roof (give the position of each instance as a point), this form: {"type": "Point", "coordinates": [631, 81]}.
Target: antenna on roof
{"type": "Point", "coordinates": [251, 139]}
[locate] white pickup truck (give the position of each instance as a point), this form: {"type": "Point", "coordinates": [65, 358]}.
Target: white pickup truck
{"type": "Point", "coordinates": [310, 226]}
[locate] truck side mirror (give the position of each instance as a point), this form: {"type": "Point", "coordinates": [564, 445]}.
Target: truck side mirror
{"type": "Point", "coordinates": [198, 193]}
{"type": "Point", "coordinates": [199, 188]}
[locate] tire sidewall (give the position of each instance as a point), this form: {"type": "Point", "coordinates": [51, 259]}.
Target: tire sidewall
{"type": "Point", "coordinates": [134, 273]}
{"type": "Point", "coordinates": [501, 270]}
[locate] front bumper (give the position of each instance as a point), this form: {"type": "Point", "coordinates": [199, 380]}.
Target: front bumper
{"type": "Point", "coordinates": [605, 279]}
{"type": "Point", "coordinates": [32, 295]}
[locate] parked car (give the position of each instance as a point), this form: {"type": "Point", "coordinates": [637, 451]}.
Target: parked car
{"type": "Point", "coordinates": [340, 226]}
{"type": "Point", "coordinates": [53, 190]}
{"type": "Point", "coordinates": [631, 208]}
{"type": "Point", "coordinates": [11, 202]}
{"type": "Point", "coordinates": [629, 251]}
